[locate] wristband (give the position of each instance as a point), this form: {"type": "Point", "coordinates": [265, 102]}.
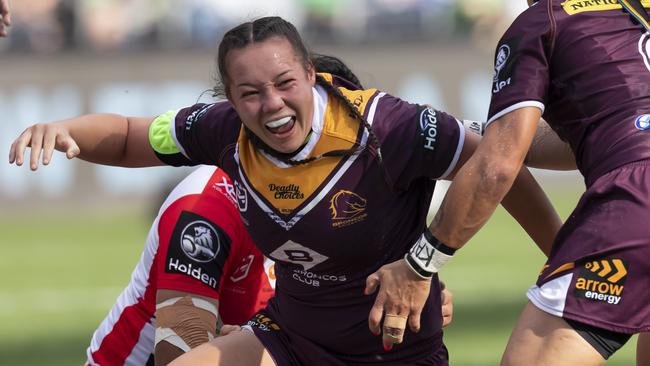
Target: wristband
{"type": "Point", "coordinates": [428, 255]}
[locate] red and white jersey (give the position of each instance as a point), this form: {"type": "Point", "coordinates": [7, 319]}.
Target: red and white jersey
{"type": "Point", "coordinates": [197, 244]}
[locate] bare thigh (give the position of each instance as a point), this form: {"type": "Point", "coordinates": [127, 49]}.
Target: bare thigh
{"type": "Point", "coordinates": [541, 339]}
{"type": "Point", "coordinates": [238, 348]}
{"type": "Point", "coordinates": [643, 350]}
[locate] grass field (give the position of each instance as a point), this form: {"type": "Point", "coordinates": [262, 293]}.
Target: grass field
{"type": "Point", "coordinates": [61, 272]}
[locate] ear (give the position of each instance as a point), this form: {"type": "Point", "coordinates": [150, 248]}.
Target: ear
{"type": "Point", "coordinates": [311, 73]}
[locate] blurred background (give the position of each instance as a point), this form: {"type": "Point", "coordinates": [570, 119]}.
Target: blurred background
{"type": "Point", "coordinates": [71, 233]}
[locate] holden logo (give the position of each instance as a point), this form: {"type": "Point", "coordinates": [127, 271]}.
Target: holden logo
{"type": "Point", "coordinates": [199, 241]}
{"type": "Point", "coordinates": [502, 56]}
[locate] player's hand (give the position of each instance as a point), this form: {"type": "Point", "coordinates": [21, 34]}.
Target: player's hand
{"type": "Point", "coordinates": [401, 297]}
{"type": "Point", "coordinates": [227, 329]}
{"type": "Point", "coordinates": [447, 305]}
{"type": "Point", "coordinates": [42, 138]}
{"type": "Point", "coordinates": [5, 17]}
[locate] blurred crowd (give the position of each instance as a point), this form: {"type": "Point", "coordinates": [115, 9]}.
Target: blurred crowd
{"type": "Point", "coordinates": [51, 26]}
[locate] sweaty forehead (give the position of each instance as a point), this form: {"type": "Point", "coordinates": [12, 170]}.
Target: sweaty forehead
{"type": "Point", "coordinates": [261, 62]}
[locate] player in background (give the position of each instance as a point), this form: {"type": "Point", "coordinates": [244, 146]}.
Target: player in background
{"type": "Point", "coordinates": [199, 268]}
{"type": "Point", "coordinates": [583, 66]}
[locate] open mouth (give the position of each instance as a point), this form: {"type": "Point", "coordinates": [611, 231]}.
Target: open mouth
{"type": "Point", "coordinates": [281, 125]}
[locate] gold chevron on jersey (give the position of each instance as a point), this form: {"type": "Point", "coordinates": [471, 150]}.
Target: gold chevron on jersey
{"type": "Point", "coordinates": [287, 188]}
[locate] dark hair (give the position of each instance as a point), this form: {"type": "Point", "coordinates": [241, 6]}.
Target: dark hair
{"type": "Point", "coordinates": [258, 30]}
{"type": "Point", "coordinates": [264, 28]}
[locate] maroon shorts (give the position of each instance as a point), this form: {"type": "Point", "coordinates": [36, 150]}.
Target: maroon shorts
{"type": "Point", "coordinates": [598, 272]}
{"type": "Point", "coordinates": [290, 349]}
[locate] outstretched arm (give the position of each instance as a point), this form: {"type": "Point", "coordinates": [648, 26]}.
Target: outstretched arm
{"type": "Point", "coordinates": [108, 139]}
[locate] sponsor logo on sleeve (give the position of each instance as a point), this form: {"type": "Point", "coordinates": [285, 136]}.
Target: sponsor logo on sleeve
{"type": "Point", "coordinates": [197, 249]}
{"type": "Point", "coordinates": [602, 280]}
{"type": "Point", "coordinates": [429, 128]}
{"type": "Point", "coordinates": [642, 122]}
{"type": "Point", "coordinates": [347, 208]}
{"type": "Point", "coordinates": [226, 189]}
{"type": "Point", "coordinates": [505, 62]}
{"type": "Point", "coordinates": [196, 115]}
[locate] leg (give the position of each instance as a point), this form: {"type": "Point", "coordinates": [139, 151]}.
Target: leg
{"type": "Point", "coordinates": [541, 339]}
{"type": "Point", "coordinates": [643, 350]}
{"type": "Point", "coordinates": [238, 348]}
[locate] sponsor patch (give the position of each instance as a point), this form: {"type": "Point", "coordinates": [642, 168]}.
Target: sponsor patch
{"type": "Point", "coordinates": [642, 122]}
{"type": "Point", "coordinates": [572, 7]}
{"type": "Point", "coordinates": [429, 128]}
{"type": "Point", "coordinates": [263, 322]}
{"type": "Point", "coordinates": [299, 254]}
{"type": "Point", "coordinates": [197, 249]}
{"type": "Point", "coordinates": [227, 189]}
{"type": "Point", "coordinates": [602, 280]}
{"type": "Point", "coordinates": [347, 208]}
{"type": "Point", "coordinates": [196, 115]}
{"type": "Point", "coordinates": [286, 192]}
{"type": "Point", "coordinates": [505, 61]}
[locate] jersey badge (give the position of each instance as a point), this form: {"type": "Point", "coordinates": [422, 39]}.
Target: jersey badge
{"type": "Point", "coordinates": [347, 208]}
{"type": "Point", "coordinates": [602, 280]}
{"type": "Point", "coordinates": [197, 249]}
{"type": "Point", "coordinates": [243, 269]}
{"type": "Point", "coordinates": [505, 61]}
{"type": "Point", "coordinates": [642, 122]}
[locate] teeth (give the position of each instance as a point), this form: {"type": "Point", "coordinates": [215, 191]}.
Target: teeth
{"type": "Point", "coordinates": [278, 122]}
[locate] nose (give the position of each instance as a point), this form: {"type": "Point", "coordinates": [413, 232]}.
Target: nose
{"type": "Point", "coordinates": [272, 101]}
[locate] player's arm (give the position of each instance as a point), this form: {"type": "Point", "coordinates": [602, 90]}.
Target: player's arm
{"type": "Point", "coordinates": [108, 139]}
{"type": "Point", "coordinates": [548, 151]}
{"type": "Point", "coordinates": [183, 321]}
{"type": "Point", "coordinates": [485, 179]}
{"type": "Point", "coordinates": [526, 202]}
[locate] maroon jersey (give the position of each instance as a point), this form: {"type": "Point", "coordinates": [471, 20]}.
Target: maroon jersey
{"type": "Point", "coordinates": [332, 222]}
{"type": "Point", "coordinates": [585, 64]}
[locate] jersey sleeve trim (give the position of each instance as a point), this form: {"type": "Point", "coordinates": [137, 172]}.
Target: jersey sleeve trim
{"type": "Point", "coordinates": [373, 108]}
{"type": "Point", "coordinates": [514, 107]}
{"type": "Point", "coordinates": [459, 149]}
{"type": "Point", "coordinates": [162, 135]}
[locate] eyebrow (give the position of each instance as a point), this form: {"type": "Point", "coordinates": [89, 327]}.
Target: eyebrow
{"type": "Point", "coordinates": [275, 79]}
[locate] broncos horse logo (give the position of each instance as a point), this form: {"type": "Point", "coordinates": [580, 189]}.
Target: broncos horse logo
{"type": "Point", "coordinates": [347, 205]}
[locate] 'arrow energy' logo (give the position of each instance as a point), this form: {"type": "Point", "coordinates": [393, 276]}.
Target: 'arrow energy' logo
{"type": "Point", "coordinates": [602, 280]}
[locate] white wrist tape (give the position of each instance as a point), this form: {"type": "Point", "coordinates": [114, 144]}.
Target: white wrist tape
{"type": "Point", "coordinates": [426, 258]}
